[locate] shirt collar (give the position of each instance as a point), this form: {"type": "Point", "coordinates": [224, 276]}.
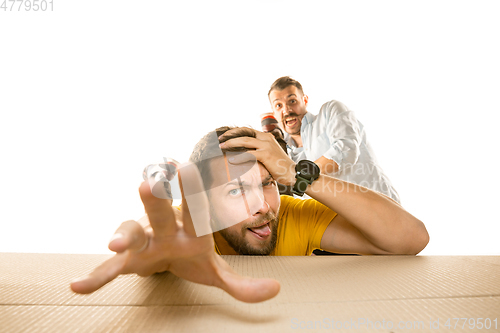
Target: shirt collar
{"type": "Point", "coordinates": [308, 119]}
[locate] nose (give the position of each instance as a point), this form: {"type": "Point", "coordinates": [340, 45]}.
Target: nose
{"type": "Point", "coordinates": [264, 208]}
{"type": "Point", "coordinates": [286, 110]}
{"type": "Point", "coordinates": [256, 202]}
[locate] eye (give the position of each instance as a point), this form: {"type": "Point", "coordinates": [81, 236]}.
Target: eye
{"type": "Point", "coordinates": [292, 101]}
{"type": "Point", "coordinates": [277, 106]}
{"type": "Point", "coordinates": [234, 192]}
{"type": "Point", "coordinates": [269, 183]}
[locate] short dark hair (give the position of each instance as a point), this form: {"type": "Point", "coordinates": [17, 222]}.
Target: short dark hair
{"type": "Point", "coordinates": [283, 83]}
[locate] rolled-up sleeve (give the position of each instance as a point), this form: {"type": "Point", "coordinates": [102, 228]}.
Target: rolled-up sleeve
{"type": "Point", "coordinates": [344, 134]}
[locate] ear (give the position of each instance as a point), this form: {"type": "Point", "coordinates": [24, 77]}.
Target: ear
{"type": "Point", "coordinates": [306, 99]}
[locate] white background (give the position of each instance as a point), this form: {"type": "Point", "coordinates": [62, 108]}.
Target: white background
{"type": "Point", "coordinates": [95, 90]}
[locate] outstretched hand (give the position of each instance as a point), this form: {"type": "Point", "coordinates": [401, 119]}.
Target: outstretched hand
{"type": "Point", "coordinates": [169, 243]}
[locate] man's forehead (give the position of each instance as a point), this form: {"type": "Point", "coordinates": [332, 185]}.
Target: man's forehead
{"type": "Point", "coordinates": [224, 172]}
{"type": "Point", "coordinates": [288, 92]}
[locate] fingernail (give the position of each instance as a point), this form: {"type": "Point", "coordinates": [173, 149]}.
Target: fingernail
{"type": "Point", "coordinates": [232, 159]}
{"type": "Point", "coordinates": [79, 279]}
{"type": "Point", "coordinates": [222, 144]}
{"type": "Point", "coordinates": [118, 235]}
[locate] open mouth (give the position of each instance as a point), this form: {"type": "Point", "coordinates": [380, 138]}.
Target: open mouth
{"type": "Point", "coordinates": [261, 232]}
{"type": "Point", "coordinates": [290, 122]}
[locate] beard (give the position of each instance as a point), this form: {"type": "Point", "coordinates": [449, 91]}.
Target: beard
{"type": "Point", "coordinates": [296, 132]}
{"type": "Point", "coordinates": [239, 243]}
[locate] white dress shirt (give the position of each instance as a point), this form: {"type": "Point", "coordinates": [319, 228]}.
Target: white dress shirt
{"type": "Point", "coordinates": [336, 134]}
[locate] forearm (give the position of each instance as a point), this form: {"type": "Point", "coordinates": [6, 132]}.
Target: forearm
{"type": "Point", "coordinates": [383, 222]}
{"type": "Point", "coordinates": [326, 165]}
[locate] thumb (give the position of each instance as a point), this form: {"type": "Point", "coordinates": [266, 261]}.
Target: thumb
{"type": "Point", "coordinates": [247, 289]}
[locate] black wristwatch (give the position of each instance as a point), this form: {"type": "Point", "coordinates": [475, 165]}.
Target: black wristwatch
{"type": "Point", "coordinates": [306, 173]}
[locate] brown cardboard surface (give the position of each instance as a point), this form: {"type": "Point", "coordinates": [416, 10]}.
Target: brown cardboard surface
{"type": "Point", "coordinates": [316, 292]}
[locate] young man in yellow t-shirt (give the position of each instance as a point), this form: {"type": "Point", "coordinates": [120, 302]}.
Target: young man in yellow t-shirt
{"type": "Point", "coordinates": [342, 217]}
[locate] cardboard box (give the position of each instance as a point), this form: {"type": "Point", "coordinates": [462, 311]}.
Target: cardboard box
{"type": "Point", "coordinates": [323, 293]}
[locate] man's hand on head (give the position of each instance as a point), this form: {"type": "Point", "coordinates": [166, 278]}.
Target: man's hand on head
{"type": "Point", "coordinates": [266, 150]}
{"type": "Point", "coordinates": [169, 243]}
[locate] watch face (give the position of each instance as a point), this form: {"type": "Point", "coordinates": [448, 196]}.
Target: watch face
{"type": "Point", "coordinates": [308, 169]}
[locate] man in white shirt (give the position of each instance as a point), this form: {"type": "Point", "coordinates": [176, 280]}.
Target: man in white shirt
{"type": "Point", "coordinates": [334, 139]}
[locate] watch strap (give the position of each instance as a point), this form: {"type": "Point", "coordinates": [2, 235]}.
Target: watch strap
{"type": "Point", "coordinates": [303, 180]}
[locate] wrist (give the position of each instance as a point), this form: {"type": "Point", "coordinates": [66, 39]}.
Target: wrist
{"type": "Point", "coordinates": [290, 177]}
{"type": "Point", "coordinates": [284, 172]}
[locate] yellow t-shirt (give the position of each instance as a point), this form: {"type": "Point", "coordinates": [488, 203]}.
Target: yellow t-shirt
{"type": "Point", "coordinates": [301, 226]}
